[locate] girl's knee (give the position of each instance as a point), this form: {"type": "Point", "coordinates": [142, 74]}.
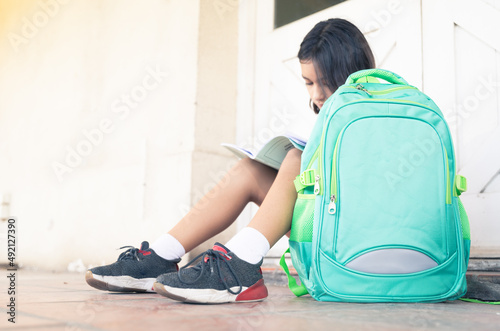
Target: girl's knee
{"type": "Point", "coordinates": [293, 156]}
{"type": "Point", "coordinates": [291, 163]}
{"type": "Point", "coordinates": [248, 165]}
{"type": "Point", "coordinates": [255, 171]}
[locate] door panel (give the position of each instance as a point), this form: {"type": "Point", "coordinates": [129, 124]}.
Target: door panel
{"type": "Point", "coordinates": [461, 72]}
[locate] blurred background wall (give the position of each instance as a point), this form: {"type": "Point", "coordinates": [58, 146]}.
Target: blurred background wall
{"type": "Point", "coordinates": [111, 115]}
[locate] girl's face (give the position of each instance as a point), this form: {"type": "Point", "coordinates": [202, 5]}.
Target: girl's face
{"type": "Point", "coordinates": [318, 92]}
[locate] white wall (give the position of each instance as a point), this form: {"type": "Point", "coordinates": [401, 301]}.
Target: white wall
{"type": "Point", "coordinates": [461, 57]}
{"type": "Point", "coordinates": [67, 69]}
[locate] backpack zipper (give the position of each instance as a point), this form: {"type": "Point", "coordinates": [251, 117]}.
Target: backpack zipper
{"type": "Point", "coordinates": [448, 191]}
{"type": "Point", "coordinates": [313, 157]}
{"type": "Point", "coordinates": [316, 185]}
{"type": "Point", "coordinates": [362, 88]}
{"type": "Point", "coordinates": [332, 206]}
{"type": "Point", "coordinates": [374, 92]}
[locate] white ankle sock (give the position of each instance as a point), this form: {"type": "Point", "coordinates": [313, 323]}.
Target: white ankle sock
{"type": "Point", "coordinates": [249, 245]}
{"type": "Point", "coordinates": [168, 247]}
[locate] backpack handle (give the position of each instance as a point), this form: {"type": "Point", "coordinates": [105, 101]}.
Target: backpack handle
{"type": "Point", "coordinates": [377, 73]}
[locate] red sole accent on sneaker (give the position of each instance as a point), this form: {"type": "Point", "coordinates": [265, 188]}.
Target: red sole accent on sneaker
{"type": "Point", "coordinates": [257, 291]}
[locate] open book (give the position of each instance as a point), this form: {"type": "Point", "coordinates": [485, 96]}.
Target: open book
{"type": "Point", "coordinates": [272, 153]}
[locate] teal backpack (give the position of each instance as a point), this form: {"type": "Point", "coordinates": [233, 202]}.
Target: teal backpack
{"type": "Point", "coordinates": [378, 218]}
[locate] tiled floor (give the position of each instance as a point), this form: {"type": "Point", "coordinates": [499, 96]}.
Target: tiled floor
{"type": "Point", "coordinates": [63, 301]}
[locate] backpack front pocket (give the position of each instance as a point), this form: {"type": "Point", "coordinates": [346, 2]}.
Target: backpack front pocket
{"type": "Point", "coordinates": [390, 173]}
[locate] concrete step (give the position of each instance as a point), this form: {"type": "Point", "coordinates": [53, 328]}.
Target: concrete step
{"type": "Point", "coordinates": [483, 285]}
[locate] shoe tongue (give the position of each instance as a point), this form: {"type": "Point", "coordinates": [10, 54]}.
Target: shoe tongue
{"type": "Point", "coordinates": [220, 248]}
{"type": "Point", "coordinates": [144, 246]}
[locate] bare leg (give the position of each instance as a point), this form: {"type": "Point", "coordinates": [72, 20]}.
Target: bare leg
{"type": "Point", "coordinates": [247, 181]}
{"type": "Point", "coordinates": [274, 217]}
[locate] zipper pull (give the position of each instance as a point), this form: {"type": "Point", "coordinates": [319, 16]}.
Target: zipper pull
{"type": "Point", "coordinates": [332, 207]}
{"type": "Point", "coordinates": [362, 88]}
{"type": "Point", "coordinates": [316, 185]}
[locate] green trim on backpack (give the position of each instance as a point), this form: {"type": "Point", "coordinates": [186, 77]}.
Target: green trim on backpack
{"type": "Point", "coordinates": [464, 220]}
{"type": "Point", "coordinates": [367, 79]}
{"type": "Point", "coordinates": [305, 179]}
{"type": "Point", "coordinates": [376, 73]}
{"type": "Point", "coordinates": [297, 289]}
{"type": "Point", "coordinates": [460, 185]}
{"type": "Point", "coordinates": [480, 301]}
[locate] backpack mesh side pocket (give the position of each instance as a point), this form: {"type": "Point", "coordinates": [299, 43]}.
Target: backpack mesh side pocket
{"type": "Point", "coordinates": [464, 220]}
{"type": "Point", "coordinates": [303, 218]}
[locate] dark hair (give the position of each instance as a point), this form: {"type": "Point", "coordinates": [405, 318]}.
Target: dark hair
{"type": "Point", "coordinates": [337, 48]}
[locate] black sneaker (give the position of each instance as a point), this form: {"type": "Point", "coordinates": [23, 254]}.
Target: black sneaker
{"type": "Point", "coordinates": [219, 277]}
{"type": "Point", "coordinates": [134, 271]}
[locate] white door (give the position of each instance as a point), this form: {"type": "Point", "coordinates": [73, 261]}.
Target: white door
{"type": "Point", "coordinates": [461, 56]}
{"type": "Point", "coordinates": [277, 101]}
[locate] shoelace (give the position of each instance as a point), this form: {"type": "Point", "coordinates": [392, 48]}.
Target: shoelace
{"type": "Point", "coordinates": [212, 255]}
{"type": "Point", "coordinates": [129, 254]}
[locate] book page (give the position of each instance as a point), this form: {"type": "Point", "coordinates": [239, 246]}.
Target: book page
{"type": "Point", "coordinates": [272, 153]}
{"type": "Point", "coordinates": [239, 151]}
